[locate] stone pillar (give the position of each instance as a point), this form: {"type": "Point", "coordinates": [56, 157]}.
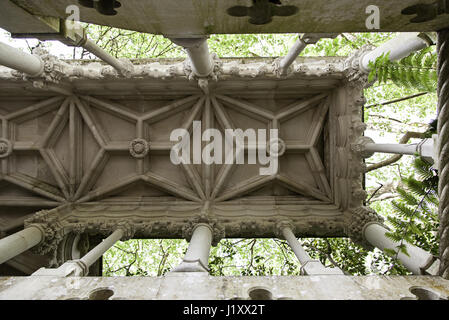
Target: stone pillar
{"type": "Point", "coordinates": [398, 48]}
{"type": "Point", "coordinates": [366, 228]}
{"type": "Point", "coordinates": [284, 230]}
{"type": "Point", "coordinates": [202, 233]}
{"type": "Point", "coordinates": [197, 49]}
{"type": "Point", "coordinates": [19, 242]}
{"type": "Point", "coordinates": [18, 60]}
{"type": "Point", "coordinates": [304, 40]}
{"type": "Point", "coordinates": [366, 147]}
{"type": "Point", "coordinates": [197, 255]}
{"type": "Point", "coordinates": [81, 266]}
{"type": "Point", "coordinates": [418, 261]}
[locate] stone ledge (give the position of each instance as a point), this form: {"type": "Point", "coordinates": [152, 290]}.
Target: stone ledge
{"type": "Point", "coordinates": [194, 286]}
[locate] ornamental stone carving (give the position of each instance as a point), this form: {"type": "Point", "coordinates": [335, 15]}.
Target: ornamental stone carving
{"type": "Point", "coordinates": [281, 225]}
{"type": "Point", "coordinates": [54, 69]}
{"type": "Point", "coordinates": [128, 230]}
{"type": "Point", "coordinates": [353, 71]}
{"type": "Point", "coordinates": [216, 71]}
{"type": "Point", "coordinates": [5, 148]}
{"type": "Point", "coordinates": [359, 147]}
{"type": "Point", "coordinates": [357, 221]}
{"type": "Point", "coordinates": [53, 234]}
{"type": "Point", "coordinates": [138, 148]}
{"type": "Point", "coordinates": [218, 231]}
{"type": "Point", "coordinates": [277, 147]}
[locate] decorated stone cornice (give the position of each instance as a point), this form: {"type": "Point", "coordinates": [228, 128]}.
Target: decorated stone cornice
{"type": "Point", "coordinates": [357, 220]}
{"type": "Point", "coordinates": [166, 69]}
{"type": "Point", "coordinates": [218, 231]}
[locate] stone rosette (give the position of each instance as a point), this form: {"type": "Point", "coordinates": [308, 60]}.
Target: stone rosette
{"type": "Point", "coordinates": [5, 148]}
{"type": "Point", "coordinates": [138, 148]}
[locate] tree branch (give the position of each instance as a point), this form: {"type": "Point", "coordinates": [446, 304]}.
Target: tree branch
{"type": "Point", "coordinates": [407, 136]}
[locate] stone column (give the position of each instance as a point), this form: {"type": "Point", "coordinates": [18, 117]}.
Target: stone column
{"type": "Point", "coordinates": [304, 40]}
{"type": "Point", "coordinates": [284, 230]}
{"type": "Point", "coordinates": [81, 266]}
{"type": "Point", "coordinates": [197, 255]}
{"type": "Point", "coordinates": [366, 147]}
{"type": "Point", "coordinates": [398, 48]}
{"type": "Point", "coordinates": [418, 261]}
{"type": "Point", "coordinates": [21, 61]}
{"type": "Point", "coordinates": [202, 233]}
{"type": "Point", "coordinates": [198, 51]}
{"type": "Point", "coordinates": [19, 242]}
{"type": "Point", "coordinates": [366, 228]}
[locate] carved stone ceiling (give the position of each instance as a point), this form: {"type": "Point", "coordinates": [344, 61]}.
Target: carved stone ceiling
{"type": "Point", "coordinates": [76, 149]}
{"type": "Point", "coordinates": [199, 17]}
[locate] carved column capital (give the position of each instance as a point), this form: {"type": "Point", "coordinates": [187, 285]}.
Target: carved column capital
{"type": "Point", "coordinates": [359, 147]}
{"type": "Point", "coordinates": [357, 220]}
{"type": "Point", "coordinates": [353, 69]}
{"type": "Point", "coordinates": [52, 230]}
{"type": "Point", "coordinates": [218, 231]}
{"type": "Point", "coordinates": [216, 70]}
{"type": "Point", "coordinates": [128, 230]}
{"type": "Point", "coordinates": [53, 68]}
{"type": "Point", "coordinates": [281, 225]}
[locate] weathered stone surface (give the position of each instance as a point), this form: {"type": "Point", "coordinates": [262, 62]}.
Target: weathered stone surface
{"type": "Point", "coordinates": [200, 286]}
{"type": "Point", "coordinates": [202, 17]}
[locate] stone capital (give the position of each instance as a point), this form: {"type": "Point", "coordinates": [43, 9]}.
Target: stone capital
{"type": "Point", "coordinates": [281, 225]}
{"type": "Point", "coordinates": [357, 220]}
{"type": "Point", "coordinates": [359, 147]}
{"type": "Point", "coordinates": [218, 231]}
{"type": "Point", "coordinates": [128, 230]}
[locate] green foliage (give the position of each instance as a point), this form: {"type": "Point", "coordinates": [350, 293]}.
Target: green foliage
{"type": "Point", "coordinates": [418, 70]}
{"type": "Point", "coordinates": [416, 217]}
